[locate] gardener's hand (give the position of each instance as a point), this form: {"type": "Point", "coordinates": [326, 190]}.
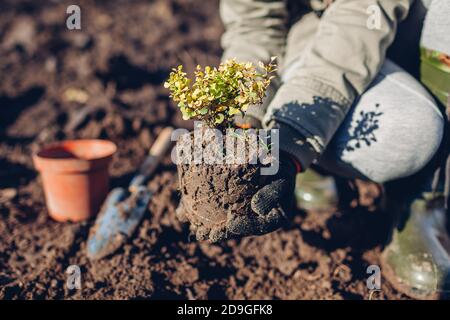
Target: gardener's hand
{"type": "Point", "coordinates": [272, 204]}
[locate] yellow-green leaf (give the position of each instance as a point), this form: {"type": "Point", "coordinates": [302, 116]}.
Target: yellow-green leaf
{"type": "Point", "coordinates": [219, 118]}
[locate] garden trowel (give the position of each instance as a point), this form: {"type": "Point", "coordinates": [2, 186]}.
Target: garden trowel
{"type": "Point", "coordinates": [123, 209]}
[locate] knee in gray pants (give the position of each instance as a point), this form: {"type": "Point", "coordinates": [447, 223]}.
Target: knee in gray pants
{"type": "Point", "coordinates": [391, 132]}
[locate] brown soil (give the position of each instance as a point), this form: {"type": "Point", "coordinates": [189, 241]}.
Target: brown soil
{"type": "Point", "coordinates": [216, 199]}
{"type": "Point", "coordinates": [119, 61]}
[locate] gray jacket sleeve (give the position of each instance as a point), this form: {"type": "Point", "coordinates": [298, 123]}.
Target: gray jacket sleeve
{"type": "Point", "coordinates": [255, 30]}
{"type": "Point", "coordinates": [340, 62]}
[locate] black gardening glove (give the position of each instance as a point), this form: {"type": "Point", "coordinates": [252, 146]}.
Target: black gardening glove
{"type": "Point", "coordinates": [272, 204]}
{"type": "Point", "coordinates": [270, 207]}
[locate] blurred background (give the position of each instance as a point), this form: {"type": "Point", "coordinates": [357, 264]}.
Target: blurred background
{"type": "Point", "coordinates": [105, 81]}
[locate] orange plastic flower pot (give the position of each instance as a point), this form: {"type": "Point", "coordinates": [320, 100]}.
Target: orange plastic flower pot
{"type": "Point", "coordinates": [75, 177]}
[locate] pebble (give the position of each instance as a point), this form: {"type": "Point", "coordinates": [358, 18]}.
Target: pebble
{"type": "Point", "coordinates": [54, 283]}
{"type": "Point", "coordinates": [7, 194]}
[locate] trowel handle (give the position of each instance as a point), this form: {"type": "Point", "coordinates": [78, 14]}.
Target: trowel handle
{"type": "Point", "coordinates": [157, 151]}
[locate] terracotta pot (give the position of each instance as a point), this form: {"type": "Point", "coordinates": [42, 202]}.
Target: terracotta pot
{"type": "Point", "coordinates": [75, 177]}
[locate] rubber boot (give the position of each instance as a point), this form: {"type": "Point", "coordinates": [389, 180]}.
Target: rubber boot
{"type": "Point", "coordinates": [315, 192]}
{"type": "Point", "coordinates": [417, 259]}
{"type": "Point", "coordinates": [435, 73]}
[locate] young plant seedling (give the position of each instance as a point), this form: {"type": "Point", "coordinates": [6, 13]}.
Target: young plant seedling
{"type": "Point", "coordinates": [217, 95]}
{"type": "Point", "coordinates": [216, 199]}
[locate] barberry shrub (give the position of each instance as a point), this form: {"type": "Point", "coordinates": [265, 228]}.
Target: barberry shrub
{"type": "Point", "coordinates": [218, 94]}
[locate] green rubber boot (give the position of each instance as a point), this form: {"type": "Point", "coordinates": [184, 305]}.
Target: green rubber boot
{"type": "Point", "coordinates": [315, 192]}
{"type": "Point", "coordinates": [435, 73]}
{"type": "Point", "coordinates": [417, 260]}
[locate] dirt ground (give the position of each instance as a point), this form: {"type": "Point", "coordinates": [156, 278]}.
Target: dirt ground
{"type": "Point", "coordinates": [118, 63]}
